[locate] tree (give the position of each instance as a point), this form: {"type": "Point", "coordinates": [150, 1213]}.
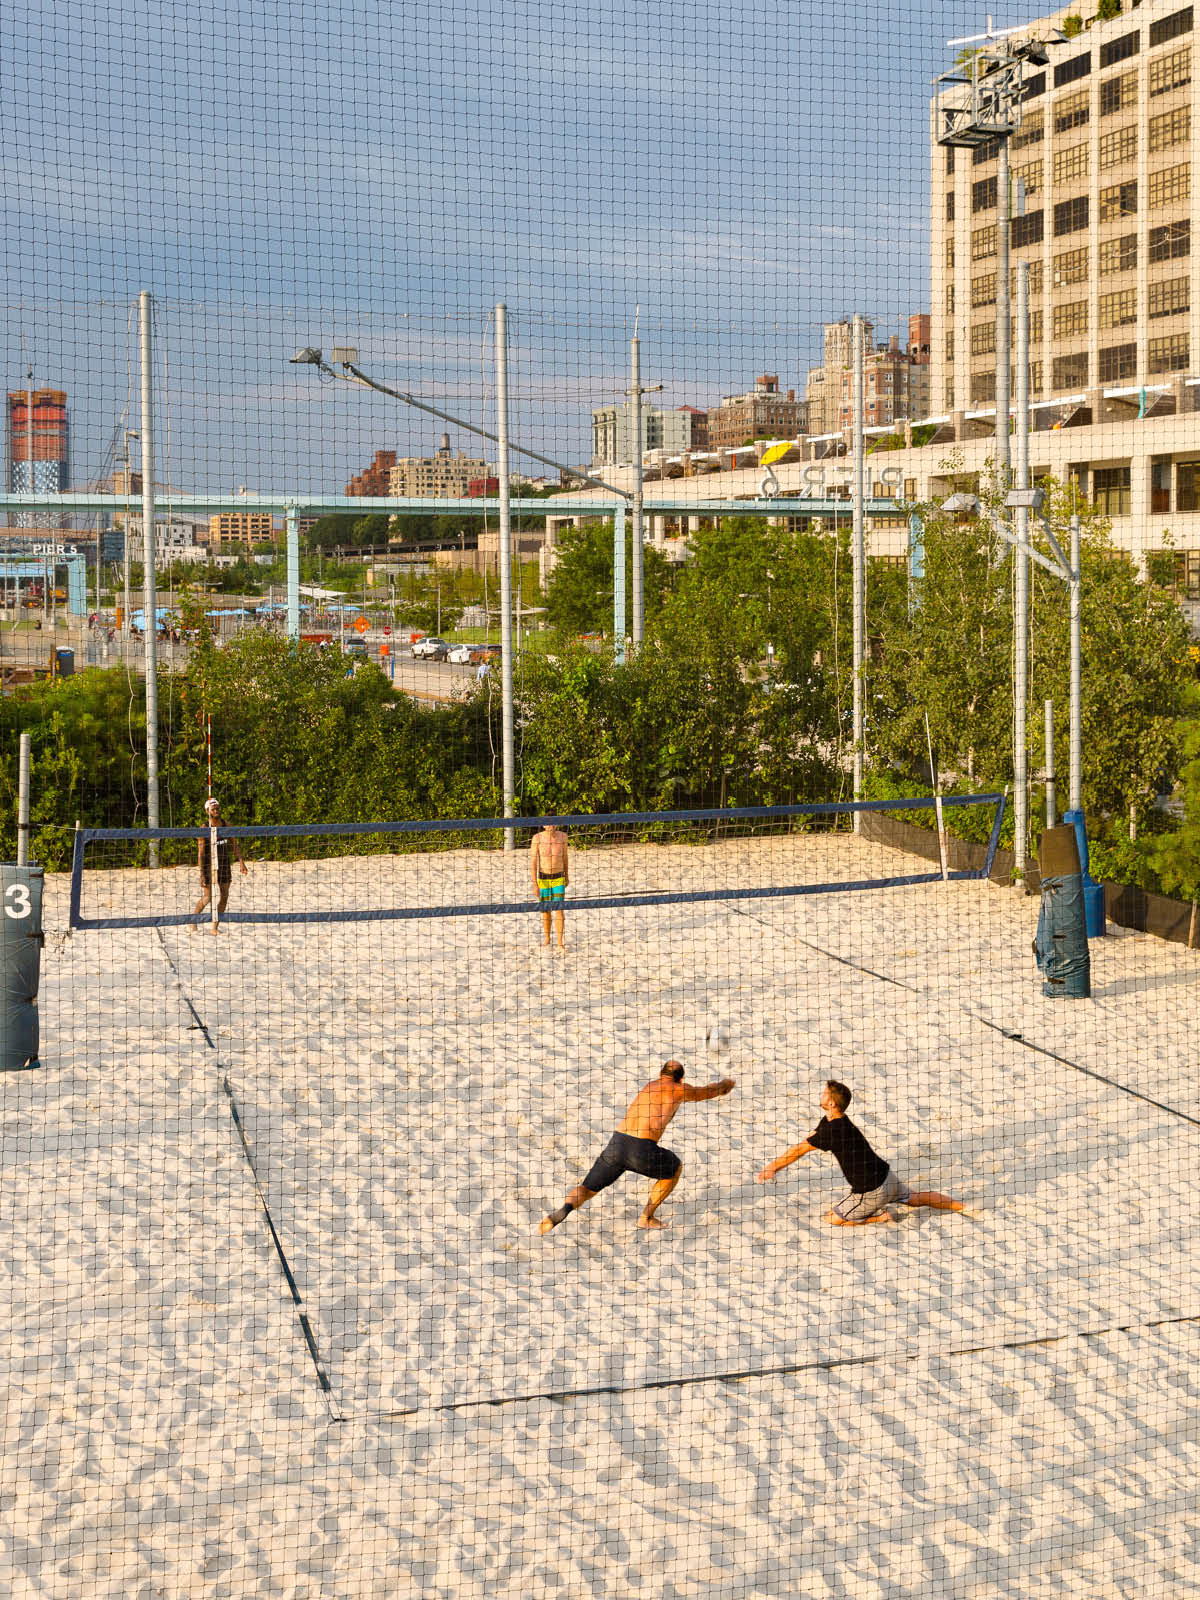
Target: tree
{"type": "Point", "coordinates": [579, 597]}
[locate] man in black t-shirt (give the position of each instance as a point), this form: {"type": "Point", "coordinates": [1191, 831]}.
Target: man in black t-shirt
{"type": "Point", "coordinates": [873, 1184]}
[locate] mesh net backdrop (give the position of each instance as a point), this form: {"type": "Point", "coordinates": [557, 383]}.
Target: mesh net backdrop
{"type": "Point", "coordinates": [280, 1319]}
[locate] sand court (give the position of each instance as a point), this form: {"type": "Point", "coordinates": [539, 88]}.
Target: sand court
{"type": "Point", "coordinates": [415, 1095]}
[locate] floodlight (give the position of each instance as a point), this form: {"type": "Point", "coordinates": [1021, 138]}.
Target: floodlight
{"type": "Point", "coordinates": [345, 354]}
{"type": "Point", "coordinates": [1025, 499]}
{"type": "Point", "coordinates": [308, 357]}
{"type": "Point", "coordinates": [961, 502]}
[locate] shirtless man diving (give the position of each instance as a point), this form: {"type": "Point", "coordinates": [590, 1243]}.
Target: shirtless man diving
{"type": "Point", "coordinates": [635, 1147]}
{"type": "Point", "coordinates": [548, 868]}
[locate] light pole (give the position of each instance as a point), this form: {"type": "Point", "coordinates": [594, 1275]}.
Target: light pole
{"type": "Point", "coordinates": [860, 582]}
{"type": "Point", "coordinates": [978, 103]}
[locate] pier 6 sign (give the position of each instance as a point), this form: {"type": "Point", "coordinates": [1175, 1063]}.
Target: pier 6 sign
{"type": "Point", "coordinates": [833, 480]}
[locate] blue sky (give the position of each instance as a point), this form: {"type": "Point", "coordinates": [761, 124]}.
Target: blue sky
{"type": "Point", "coordinates": [284, 175]}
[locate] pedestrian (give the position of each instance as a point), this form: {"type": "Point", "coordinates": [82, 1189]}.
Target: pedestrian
{"type": "Point", "coordinates": [548, 866]}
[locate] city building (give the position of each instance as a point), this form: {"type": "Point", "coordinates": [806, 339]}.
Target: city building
{"type": "Point", "coordinates": [761, 413]}
{"type": "Point", "coordinates": [39, 459]}
{"type": "Point", "coordinates": [441, 476]}
{"type": "Point", "coordinates": [673, 432]}
{"type": "Point", "coordinates": [895, 380]}
{"type": "Point", "coordinates": [230, 530]}
{"type": "Point", "coordinates": [375, 479]}
{"type": "Point", "coordinates": [1103, 152]}
{"type": "Point", "coordinates": [175, 539]}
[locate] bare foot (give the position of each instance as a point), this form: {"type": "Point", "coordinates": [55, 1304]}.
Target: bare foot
{"type": "Point", "coordinates": [650, 1222]}
{"type": "Point", "coordinates": [546, 1224]}
{"type": "Point", "coordinates": [545, 944]}
{"type": "Point", "coordinates": [561, 945]}
{"type": "Point", "coordinates": [216, 928]}
{"type": "Point", "coordinates": [880, 1216]}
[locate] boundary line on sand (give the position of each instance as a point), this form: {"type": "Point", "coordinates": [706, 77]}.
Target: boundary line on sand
{"type": "Point", "coordinates": [276, 1242]}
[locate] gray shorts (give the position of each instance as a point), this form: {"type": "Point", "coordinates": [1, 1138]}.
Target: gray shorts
{"type": "Point", "coordinates": [858, 1207]}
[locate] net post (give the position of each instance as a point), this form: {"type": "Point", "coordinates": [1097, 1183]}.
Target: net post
{"type": "Point", "coordinates": [212, 878]}
{"type": "Point", "coordinates": [74, 914]}
{"type": "Point", "coordinates": [994, 841]}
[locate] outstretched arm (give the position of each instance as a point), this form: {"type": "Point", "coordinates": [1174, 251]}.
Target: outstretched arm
{"type": "Point", "coordinates": [785, 1160]}
{"type": "Point", "coordinates": [710, 1091]}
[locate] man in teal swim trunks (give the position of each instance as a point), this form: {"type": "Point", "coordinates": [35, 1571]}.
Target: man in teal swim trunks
{"type": "Point", "coordinates": [548, 868]}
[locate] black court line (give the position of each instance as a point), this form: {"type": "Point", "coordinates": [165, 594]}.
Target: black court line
{"type": "Point", "coordinates": [277, 1242]}
{"type": "Point", "coordinates": [742, 1375]}
{"type": "Point", "coordinates": [1007, 1033]}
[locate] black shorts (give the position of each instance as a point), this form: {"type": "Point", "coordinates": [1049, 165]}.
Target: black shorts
{"type": "Point", "coordinates": [224, 878]}
{"type": "Point", "coordinates": [624, 1153]}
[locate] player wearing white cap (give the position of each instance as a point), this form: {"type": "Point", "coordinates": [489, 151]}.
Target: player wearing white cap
{"type": "Point", "coordinates": [212, 812]}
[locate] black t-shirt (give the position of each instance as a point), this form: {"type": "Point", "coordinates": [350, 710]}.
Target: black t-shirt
{"type": "Point", "coordinates": [861, 1167]}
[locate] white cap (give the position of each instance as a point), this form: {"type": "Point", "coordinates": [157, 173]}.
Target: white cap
{"type": "Point", "coordinates": [212, 804]}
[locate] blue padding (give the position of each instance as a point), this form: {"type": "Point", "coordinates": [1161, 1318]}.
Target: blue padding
{"type": "Point", "coordinates": [334, 830]}
{"type": "Point", "coordinates": [1061, 946]}
{"type": "Point", "coordinates": [503, 908]}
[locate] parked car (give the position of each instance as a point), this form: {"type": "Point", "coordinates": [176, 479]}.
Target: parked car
{"type": "Point", "coordinates": [430, 649]}
{"type": "Point", "coordinates": [460, 655]}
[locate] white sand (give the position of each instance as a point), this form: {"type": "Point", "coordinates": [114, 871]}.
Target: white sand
{"type": "Point", "coordinates": [418, 1093]}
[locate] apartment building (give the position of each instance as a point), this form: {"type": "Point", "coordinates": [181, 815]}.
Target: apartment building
{"type": "Point", "coordinates": [441, 476]}
{"type": "Point", "coordinates": [1104, 151]}
{"type": "Point", "coordinates": [761, 413]}
{"type": "Point", "coordinates": [895, 380]}
{"type": "Point", "coordinates": [374, 479]}
{"type": "Point", "coordinates": [674, 432]}
{"type": "Point", "coordinates": [240, 530]}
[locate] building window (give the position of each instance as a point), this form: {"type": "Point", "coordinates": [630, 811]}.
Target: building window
{"type": "Point", "coordinates": [1170, 297]}
{"type": "Point", "coordinates": [1187, 569]}
{"type": "Point", "coordinates": [983, 290]}
{"type": "Point", "coordinates": [1118, 201]}
{"type": "Point", "coordinates": [1071, 71]}
{"type": "Point", "coordinates": [1031, 176]}
{"type": "Point", "coordinates": [1035, 328]}
{"type": "Point", "coordinates": [987, 151]}
{"type": "Point", "coordinates": [1035, 377]}
{"type": "Point", "coordinates": [1169, 354]}
{"type": "Point", "coordinates": [1111, 491]}
{"type": "Point", "coordinates": [1118, 255]}
{"type": "Point", "coordinates": [983, 195]}
{"type": "Point", "coordinates": [1118, 362]}
{"type": "Point", "coordinates": [983, 242]}
{"type": "Point", "coordinates": [1171, 186]}
{"type": "Point", "coordinates": [1170, 242]}
{"type": "Point", "coordinates": [983, 387]}
{"type": "Point", "coordinates": [1027, 230]}
{"type": "Point", "coordinates": [949, 299]}
{"type": "Point", "coordinates": [1171, 71]}
{"type": "Point", "coordinates": [1072, 111]}
{"type": "Point", "coordinates": [1070, 372]}
{"type": "Point", "coordinates": [949, 159]}
{"type": "Point", "coordinates": [1119, 309]}
{"type": "Point", "coordinates": [1031, 131]}
{"type": "Point", "coordinates": [1118, 94]}
{"type": "Point", "coordinates": [1071, 266]}
{"type": "Point", "coordinates": [949, 344]}
{"type": "Point", "coordinates": [1071, 163]}
{"type": "Point", "coordinates": [1035, 277]}
{"type": "Point", "coordinates": [1032, 87]}
{"type": "Point", "coordinates": [1120, 49]}
{"type": "Point", "coordinates": [1118, 146]}
{"type": "Point", "coordinates": [1187, 486]}
{"type": "Point", "coordinates": [983, 338]}
{"type": "Point", "coordinates": [1071, 215]}
{"type": "Point", "coordinates": [1170, 27]}
{"type": "Point", "coordinates": [1173, 127]}
{"type": "Point", "coordinates": [1068, 319]}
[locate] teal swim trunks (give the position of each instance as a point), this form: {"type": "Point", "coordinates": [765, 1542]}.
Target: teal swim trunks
{"type": "Point", "coordinates": [552, 891]}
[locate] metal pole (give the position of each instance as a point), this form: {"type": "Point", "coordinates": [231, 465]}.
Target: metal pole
{"type": "Point", "coordinates": [505, 556]}
{"type": "Point", "coordinates": [1050, 776]}
{"type": "Point", "coordinates": [1021, 597]}
{"type": "Point", "coordinates": [638, 574]}
{"type": "Point", "coordinates": [149, 597]}
{"type": "Point", "coordinates": [23, 802]}
{"type": "Point", "coordinates": [292, 525]}
{"type": "Point", "coordinates": [619, 584]}
{"type": "Point", "coordinates": [859, 562]}
{"type": "Point", "coordinates": [127, 621]}
{"type": "Point", "coordinates": [1003, 315]}
{"type": "Point", "coordinates": [1076, 730]}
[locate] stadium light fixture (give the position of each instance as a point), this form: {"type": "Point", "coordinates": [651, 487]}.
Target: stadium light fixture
{"type": "Point", "coordinates": [961, 503]}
